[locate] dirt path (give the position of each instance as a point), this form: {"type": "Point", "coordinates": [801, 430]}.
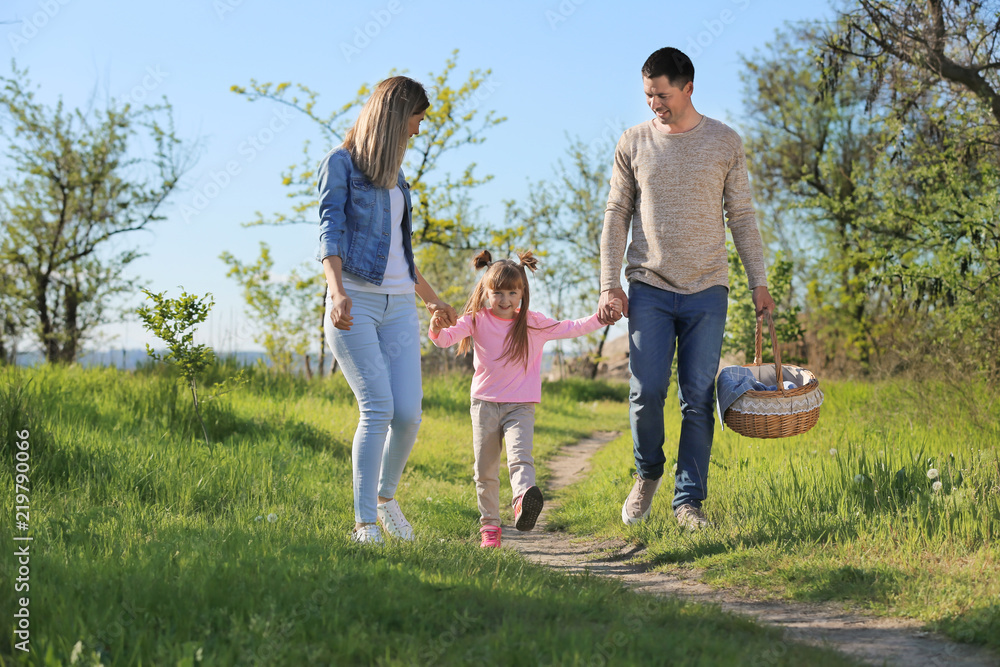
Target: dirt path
{"type": "Point", "coordinates": [870, 639]}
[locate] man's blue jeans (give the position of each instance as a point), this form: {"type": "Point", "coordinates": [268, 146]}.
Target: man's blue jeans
{"type": "Point", "coordinates": [658, 321]}
{"type": "Point", "coordinates": [380, 358]}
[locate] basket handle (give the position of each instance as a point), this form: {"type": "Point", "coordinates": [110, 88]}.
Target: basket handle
{"type": "Point", "coordinates": [759, 357]}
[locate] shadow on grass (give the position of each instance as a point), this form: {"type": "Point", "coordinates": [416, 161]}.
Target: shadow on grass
{"type": "Point", "coordinates": [251, 595]}
{"type": "Point", "coordinates": [979, 625]}
{"type": "Point", "coordinates": [820, 583]}
{"type": "Point", "coordinates": [584, 390]}
{"type": "Point", "coordinates": [441, 469]}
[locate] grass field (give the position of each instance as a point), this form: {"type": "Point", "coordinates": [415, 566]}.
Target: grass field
{"type": "Point", "coordinates": [846, 512]}
{"type": "Point", "coordinates": [151, 548]}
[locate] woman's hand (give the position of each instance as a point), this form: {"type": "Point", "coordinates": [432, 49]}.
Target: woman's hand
{"type": "Point", "coordinates": [340, 311]}
{"type": "Point", "coordinates": [442, 311]}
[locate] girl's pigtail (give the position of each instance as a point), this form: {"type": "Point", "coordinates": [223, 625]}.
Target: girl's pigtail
{"type": "Point", "coordinates": [528, 261]}
{"type": "Point", "coordinates": [475, 300]}
{"type": "Point", "coordinates": [482, 260]}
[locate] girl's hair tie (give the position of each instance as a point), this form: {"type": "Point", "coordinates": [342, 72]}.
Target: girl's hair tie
{"type": "Point", "coordinates": [528, 261]}
{"type": "Point", "coordinates": [482, 260]}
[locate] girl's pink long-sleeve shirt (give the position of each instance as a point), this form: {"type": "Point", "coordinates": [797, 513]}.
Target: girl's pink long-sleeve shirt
{"type": "Point", "coordinates": [508, 381]}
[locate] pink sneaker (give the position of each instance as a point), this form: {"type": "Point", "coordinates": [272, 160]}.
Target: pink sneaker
{"type": "Point", "coordinates": [491, 537]}
{"type": "Point", "coordinates": [527, 508]}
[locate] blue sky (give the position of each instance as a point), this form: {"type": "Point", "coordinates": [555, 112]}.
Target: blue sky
{"type": "Point", "coordinates": [558, 67]}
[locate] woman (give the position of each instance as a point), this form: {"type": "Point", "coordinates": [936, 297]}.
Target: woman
{"type": "Point", "coordinates": [372, 325]}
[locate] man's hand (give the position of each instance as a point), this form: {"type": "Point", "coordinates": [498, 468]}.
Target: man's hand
{"type": "Point", "coordinates": [762, 301]}
{"type": "Point", "coordinates": [608, 312]}
{"type": "Point", "coordinates": [340, 311]}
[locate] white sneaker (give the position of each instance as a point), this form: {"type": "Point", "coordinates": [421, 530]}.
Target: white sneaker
{"type": "Point", "coordinates": [393, 521]}
{"type": "Point", "coordinates": [367, 534]}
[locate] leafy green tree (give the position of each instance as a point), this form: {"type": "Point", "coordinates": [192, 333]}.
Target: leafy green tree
{"type": "Point", "coordinates": [935, 72]}
{"type": "Point", "coordinates": [174, 321]}
{"type": "Point", "coordinates": [445, 223]}
{"type": "Point", "coordinates": [284, 309]}
{"type": "Point", "coordinates": [883, 184]}
{"type": "Point", "coordinates": [939, 255]}
{"type": "Point", "coordinates": [562, 220]}
{"type": "Point", "coordinates": [812, 158]}
{"type": "Point", "coordinates": [741, 321]}
{"type": "Point", "coordinates": [73, 191]}
{"type": "Point", "coordinates": [454, 119]}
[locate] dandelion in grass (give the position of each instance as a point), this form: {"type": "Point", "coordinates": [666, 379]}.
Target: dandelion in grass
{"type": "Point", "coordinates": [932, 473]}
{"type": "Point", "coordinates": [271, 518]}
{"type": "Point", "coordinates": [859, 479]}
{"type": "Point", "coordinates": [259, 518]}
{"type": "Point", "coordinates": [833, 452]}
{"type": "Point", "coordinates": [936, 486]}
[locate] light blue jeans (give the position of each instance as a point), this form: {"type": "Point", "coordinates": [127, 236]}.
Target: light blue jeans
{"type": "Point", "coordinates": [380, 358]}
{"type": "Point", "coordinates": [660, 322]}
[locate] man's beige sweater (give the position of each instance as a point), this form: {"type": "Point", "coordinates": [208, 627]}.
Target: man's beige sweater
{"type": "Point", "coordinates": [674, 191]}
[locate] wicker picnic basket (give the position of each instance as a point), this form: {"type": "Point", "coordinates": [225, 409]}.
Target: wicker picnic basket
{"type": "Point", "coordinates": [781, 413]}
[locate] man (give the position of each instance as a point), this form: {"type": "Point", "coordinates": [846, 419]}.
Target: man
{"type": "Point", "coordinates": [677, 180]}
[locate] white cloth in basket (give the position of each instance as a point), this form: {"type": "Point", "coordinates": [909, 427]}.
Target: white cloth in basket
{"type": "Point", "coordinates": [734, 381]}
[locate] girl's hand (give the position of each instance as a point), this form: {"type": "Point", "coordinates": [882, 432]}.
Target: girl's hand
{"type": "Point", "coordinates": [436, 323]}
{"type": "Point", "coordinates": [616, 308]}
{"type": "Point", "coordinates": [439, 308]}
{"type": "Point", "coordinates": [340, 311]}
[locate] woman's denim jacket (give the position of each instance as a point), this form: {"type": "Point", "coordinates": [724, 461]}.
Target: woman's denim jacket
{"type": "Point", "coordinates": [355, 222]}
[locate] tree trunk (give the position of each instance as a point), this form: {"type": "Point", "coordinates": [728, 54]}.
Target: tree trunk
{"type": "Point", "coordinates": [197, 411]}
{"type": "Point", "coordinates": [71, 340]}
{"type": "Point", "coordinates": [322, 334]}
{"type": "Point", "coordinates": [596, 360]}
{"type": "Point", "coordinates": [49, 343]}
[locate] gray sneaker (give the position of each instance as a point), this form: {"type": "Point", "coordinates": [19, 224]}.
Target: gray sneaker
{"type": "Point", "coordinates": [691, 517]}
{"type": "Point", "coordinates": [640, 499]}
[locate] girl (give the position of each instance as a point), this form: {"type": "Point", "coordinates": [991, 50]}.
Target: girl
{"type": "Point", "coordinates": [508, 340]}
{"type": "Point", "coordinates": [371, 324]}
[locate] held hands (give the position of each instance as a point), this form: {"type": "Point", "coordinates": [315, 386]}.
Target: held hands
{"type": "Point", "coordinates": [442, 315]}
{"type": "Point", "coordinates": [612, 306]}
{"type": "Point", "coordinates": [616, 308]}
{"type": "Point", "coordinates": [437, 323]}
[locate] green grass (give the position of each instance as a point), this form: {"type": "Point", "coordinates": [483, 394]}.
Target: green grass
{"type": "Point", "coordinates": [845, 512]}
{"type": "Point", "coordinates": [148, 548]}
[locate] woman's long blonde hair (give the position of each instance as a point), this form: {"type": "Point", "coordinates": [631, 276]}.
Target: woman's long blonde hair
{"type": "Point", "coordinates": [377, 140]}
{"type": "Point", "coordinates": [502, 274]}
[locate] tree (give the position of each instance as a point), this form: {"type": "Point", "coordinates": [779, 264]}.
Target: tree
{"type": "Point", "coordinates": [886, 190]}
{"type": "Point", "coordinates": [935, 68]}
{"type": "Point", "coordinates": [445, 224]}
{"type": "Point", "coordinates": [812, 159]}
{"type": "Point", "coordinates": [174, 321]}
{"type": "Point", "coordinates": [74, 191]}
{"type": "Point", "coordinates": [563, 220]}
{"type": "Point", "coordinates": [741, 320]}
{"type": "Point", "coordinates": [452, 121]}
{"type": "Point", "coordinates": [12, 319]}
{"type": "Point", "coordinates": [930, 40]}
{"type": "Point", "coordinates": [282, 308]}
